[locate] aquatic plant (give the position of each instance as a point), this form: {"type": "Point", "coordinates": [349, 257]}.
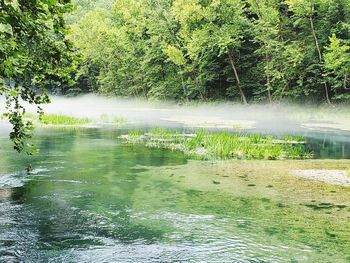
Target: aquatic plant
{"type": "Point", "coordinates": [55, 119]}
{"type": "Point", "coordinates": [63, 120]}
{"type": "Point", "coordinates": [204, 145]}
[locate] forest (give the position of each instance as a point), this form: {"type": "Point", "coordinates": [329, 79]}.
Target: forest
{"type": "Point", "coordinates": [183, 50]}
{"type": "Point", "coordinates": [241, 50]}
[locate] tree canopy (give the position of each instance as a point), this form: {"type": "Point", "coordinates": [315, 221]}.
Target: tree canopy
{"type": "Point", "coordinates": [245, 50]}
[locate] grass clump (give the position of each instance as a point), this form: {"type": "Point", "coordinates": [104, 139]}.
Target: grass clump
{"type": "Point", "coordinates": [204, 145]}
{"type": "Point", "coordinates": [63, 120]}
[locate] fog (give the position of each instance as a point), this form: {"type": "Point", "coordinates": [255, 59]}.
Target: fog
{"type": "Point", "coordinates": [280, 118]}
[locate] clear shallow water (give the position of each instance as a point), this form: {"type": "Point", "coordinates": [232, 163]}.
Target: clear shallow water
{"type": "Point", "coordinates": [92, 199]}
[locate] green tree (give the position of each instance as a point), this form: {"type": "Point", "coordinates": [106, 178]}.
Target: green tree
{"type": "Point", "coordinates": [305, 12]}
{"type": "Point", "coordinates": [34, 53]}
{"type": "Point", "coordinates": [337, 61]}
{"type": "Point", "coordinates": [213, 27]}
{"type": "Point", "coordinates": [279, 57]}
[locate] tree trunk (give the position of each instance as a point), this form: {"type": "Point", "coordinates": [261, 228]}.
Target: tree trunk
{"type": "Point", "coordinates": [183, 85]}
{"type": "Point", "coordinates": [269, 90]}
{"type": "Point", "coordinates": [268, 83]}
{"type": "Point", "coordinates": [243, 98]}
{"type": "Point", "coordinates": [284, 88]}
{"type": "Point", "coordinates": [346, 82]}
{"type": "Point", "coordinates": [319, 54]}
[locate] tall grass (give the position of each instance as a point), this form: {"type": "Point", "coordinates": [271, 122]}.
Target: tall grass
{"type": "Point", "coordinates": [204, 145]}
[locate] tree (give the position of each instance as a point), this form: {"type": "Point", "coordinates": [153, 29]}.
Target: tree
{"type": "Point", "coordinates": [213, 27]}
{"type": "Point", "coordinates": [34, 53]}
{"type": "Point", "coordinates": [279, 57]}
{"type": "Point", "coordinates": [337, 62]}
{"type": "Point", "coordinates": [306, 10]}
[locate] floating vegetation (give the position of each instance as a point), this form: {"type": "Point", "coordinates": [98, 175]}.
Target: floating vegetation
{"type": "Point", "coordinates": [206, 146]}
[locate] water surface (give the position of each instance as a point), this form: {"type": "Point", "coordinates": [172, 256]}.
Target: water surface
{"type": "Point", "coordinates": [92, 199]}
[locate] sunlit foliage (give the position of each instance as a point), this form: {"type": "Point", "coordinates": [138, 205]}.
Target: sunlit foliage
{"type": "Point", "coordinates": [244, 50]}
{"type": "Point", "coordinates": [34, 54]}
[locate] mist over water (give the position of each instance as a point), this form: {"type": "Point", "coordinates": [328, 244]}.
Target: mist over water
{"type": "Point", "coordinates": [91, 198]}
{"type": "Point", "coordinates": [325, 128]}
{"type": "Point", "coordinates": [281, 118]}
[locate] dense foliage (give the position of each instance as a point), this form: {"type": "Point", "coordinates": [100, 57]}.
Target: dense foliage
{"type": "Point", "coordinates": [250, 50]}
{"type": "Point", "coordinates": [34, 55]}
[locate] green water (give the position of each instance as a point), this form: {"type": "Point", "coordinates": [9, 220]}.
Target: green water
{"type": "Point", "coordinates": [92, 199]}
